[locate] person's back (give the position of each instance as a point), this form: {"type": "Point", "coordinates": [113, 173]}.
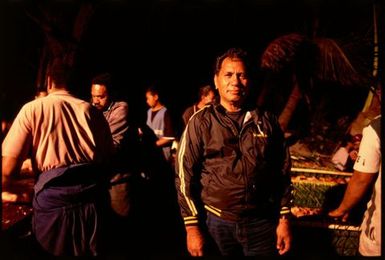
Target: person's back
{"type": "Point", "coordinates": [74, 123]}
{"type": "Point", "coordinates": [70, 140]}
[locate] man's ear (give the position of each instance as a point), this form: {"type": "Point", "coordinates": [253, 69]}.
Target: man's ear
{"type": "Point", "coordinates": [49, 83]}
{"type": "Point", "coordinates": [215, 81]}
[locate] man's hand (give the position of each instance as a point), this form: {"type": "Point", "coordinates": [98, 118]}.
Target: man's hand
{"type": "Point", "coordinates": [195, 241]}
{"type": "Point", "coordinates": [283, 236]}
{"type": "Point", "coordinates": [339, 214]}
{"type": "Point", "coordinates": [353, 155]}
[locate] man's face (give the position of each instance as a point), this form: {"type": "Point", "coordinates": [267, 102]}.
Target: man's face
{"type": "Point", "coordinates": [232, 81]}
{"type": "Point", "coordinates": [99, 96]}
{"type": "Point", "coordinates": [152, 100]}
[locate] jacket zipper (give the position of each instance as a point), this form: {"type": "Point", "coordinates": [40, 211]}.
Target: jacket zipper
{"type": "Point", "coordinates": [243, 166]}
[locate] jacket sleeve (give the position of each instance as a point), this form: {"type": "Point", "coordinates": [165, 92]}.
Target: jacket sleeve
{"type": "Point", "coordinates": [187, 162]}
{"type": "Point", "coordinates": [285, 184]}
{"type": "Point", "coordinates": [118, 123]}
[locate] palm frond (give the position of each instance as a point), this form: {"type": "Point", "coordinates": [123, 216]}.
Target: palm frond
{"type": "Point", "coordinates": [281, 51]}
{"type": "Point", "coordinates": [333, 64]}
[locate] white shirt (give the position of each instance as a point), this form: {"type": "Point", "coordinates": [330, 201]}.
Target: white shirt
{"type": "Point", "coordinates": [369, 161]}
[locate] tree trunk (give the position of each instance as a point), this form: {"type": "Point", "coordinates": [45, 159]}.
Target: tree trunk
{"type": "Point", "coordinates": [291, 105]}
{"type": "Point", "coordinates": [62, 49]}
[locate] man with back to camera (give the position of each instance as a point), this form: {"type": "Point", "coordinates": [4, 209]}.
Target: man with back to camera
{"type": "Point", "coordinates": [70, 142]}
{"type": "Point", "coordinates": [233, 170]}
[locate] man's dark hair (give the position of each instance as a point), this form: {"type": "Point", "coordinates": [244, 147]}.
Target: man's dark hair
{"type": "Point", "coordinates": [103, 79]}
{"type": "Point", "coordinates": [154, 90]}
{"type": "Point", "coordinates": [233, 53]}
{"type": "Point", "coordinates": [59, 74]}
{"type": "Point", "coordinates": [205, 90]}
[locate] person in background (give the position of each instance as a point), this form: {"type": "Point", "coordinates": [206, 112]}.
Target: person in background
{"type": "Point", "coordinates": [367, 172]}
{"type": "Point", "coordinates": [206, 96]}
{"type": "Point", "coordinates": [233, 171]}
{"type": "Point", "coordinates": [124, 162]}
{"type": "Point", "coordinates": [70, 143]}
{"type": "Point", "coordinates": [346, 155]}
{"type": "Point", "coordinates": [159, 120]}
{"type": "Point", "coordinates": [116, 114]}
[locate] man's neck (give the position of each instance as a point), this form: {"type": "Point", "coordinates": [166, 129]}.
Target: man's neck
{"type": "Point", "coordinates": [200, 104]}
{"type": "Point", "coordinates": [231, 106]}
{"type": "Point", "coordinates": [55, 89]}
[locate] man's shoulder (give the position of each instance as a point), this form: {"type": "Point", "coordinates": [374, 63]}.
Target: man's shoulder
{"type": "Point", "coordinates": [121, 104]}
{"type": "Point", "coordinates": [264, 114]}
{"type": "Point", "coordinates": [376, 124]}
{"type": "Point", "coordinates": [203, 113]}
{"type": "Point", "coordinates": [188, 110]}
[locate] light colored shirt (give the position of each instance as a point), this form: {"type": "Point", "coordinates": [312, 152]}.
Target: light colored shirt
{"type": "Point", "coordinates": [60, 130]}
{"type": "Point", "coordinates": [340, 158]}
{"type": "Point", "coordinates": [162, 127]}
{"type": "Point", "coordinates": [117, 118]}
{"type": "Point", "coordinates": [369, 161]}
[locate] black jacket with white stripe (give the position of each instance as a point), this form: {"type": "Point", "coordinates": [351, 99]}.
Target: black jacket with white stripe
{"type": "Point", "coordinates": [233, 173]}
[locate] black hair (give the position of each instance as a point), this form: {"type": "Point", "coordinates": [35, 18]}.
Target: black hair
{"type": "Point", "coordinates": [205, 90]}
{"type": "Point", "coordinates": [232, 53]}
{"type": "Point", "coordinates": [154, 90]}
{"type": "Point", "coordinates": [103, 79]}
{"type": "Point", "coordinates": [59, 74]}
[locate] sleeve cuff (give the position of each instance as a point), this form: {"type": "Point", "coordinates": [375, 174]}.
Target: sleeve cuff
{"type": "Point", "coordinates": [190, 221]}
{"type": "Point", "coordinates": [285, 211]}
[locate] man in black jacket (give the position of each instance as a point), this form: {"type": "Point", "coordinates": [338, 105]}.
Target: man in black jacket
{"type": "Point", "coordinates": [233, 171]}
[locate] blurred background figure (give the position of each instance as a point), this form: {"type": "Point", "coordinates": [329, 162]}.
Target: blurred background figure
{"type": "Point", "coordinates": [159, 120]}
{"type": "Point", "coordinates": [346, 155]}
{"type": "Point", "coordinates": [206, 96]}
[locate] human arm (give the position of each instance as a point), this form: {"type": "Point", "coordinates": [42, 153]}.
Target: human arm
{"type": "Point", "coordinates": [365, 173]}
{"type": "Point", "coordinates": [15, 148]}
{"type": "Point", "coordinates": [284, 236]}
{"type": "Point", "coordinates": [9, 168]}
{"type": "Point", "coordinates": [163, 142]}
{"type": "Point", "coordinates": [195, 240]}
{"type": "Point", "coordinates": [118, 122]}
{"type": "Point", "coordinates": [282, 155]}
{"type": "Point", "coordinates": [355, 191]}
{"type": "Point", "coordinates": [188, 156]}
